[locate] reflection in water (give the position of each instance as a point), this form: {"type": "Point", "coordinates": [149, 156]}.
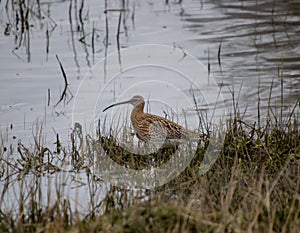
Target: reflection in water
{"type": "Point", "coordinates": [250, 44]}
{"type": "Point", "coordinates": [22, 28]}
{"type": "Point", "coordinates": [72, 37]}
{"type": "Point", "coordinates": [260, 45]}
{"type": "Point", "coordinates": [250, 47]}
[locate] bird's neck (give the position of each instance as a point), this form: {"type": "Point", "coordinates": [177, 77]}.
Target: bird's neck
{"type": "Point", "coordinates": [139, 108]}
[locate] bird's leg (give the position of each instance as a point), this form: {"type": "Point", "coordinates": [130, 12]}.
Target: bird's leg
{"type": "Point", "coordinates": [139, 142]}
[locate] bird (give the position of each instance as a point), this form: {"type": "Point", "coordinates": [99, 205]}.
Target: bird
{"type": "Point", "coordinates": [150, 127]}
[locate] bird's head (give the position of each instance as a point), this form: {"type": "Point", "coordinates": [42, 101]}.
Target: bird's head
{"type": "Point", "coordinates": [135, 101]}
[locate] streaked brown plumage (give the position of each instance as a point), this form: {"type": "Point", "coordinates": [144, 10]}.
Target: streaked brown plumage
{"type": "Point", "coordinates": [149, 127]}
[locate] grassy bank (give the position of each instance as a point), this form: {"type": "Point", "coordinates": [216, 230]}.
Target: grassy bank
{"type": "Point", "coordinates": [254, 186]}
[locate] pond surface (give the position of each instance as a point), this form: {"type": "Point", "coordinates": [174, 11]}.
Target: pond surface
{"type": "Point", "coordinates": [257, 42]}
{"type": "Point", "coordinates": [248, 48]}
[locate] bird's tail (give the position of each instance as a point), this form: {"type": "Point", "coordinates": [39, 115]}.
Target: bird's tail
{"type": "Point", "coordinates": [193, 135]}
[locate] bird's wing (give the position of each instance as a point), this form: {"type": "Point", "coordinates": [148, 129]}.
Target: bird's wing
{"type": "Point", "coordinates": [163, 126]}
{"type": "Point", "coordinates": [170, 129]}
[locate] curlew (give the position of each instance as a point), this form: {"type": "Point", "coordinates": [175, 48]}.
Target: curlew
{"type": "Point", "coordinates": [149, 127]}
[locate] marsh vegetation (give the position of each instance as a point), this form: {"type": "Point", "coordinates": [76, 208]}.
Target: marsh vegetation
{"type": "Point", "coordinates": [253, 185]}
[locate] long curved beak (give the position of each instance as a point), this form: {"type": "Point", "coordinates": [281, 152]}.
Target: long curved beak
{"type": "Point", "coordinates": [110, 106]}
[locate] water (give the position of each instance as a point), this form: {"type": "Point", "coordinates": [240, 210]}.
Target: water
{"type": "Point", "coordinates": [257, 41]}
